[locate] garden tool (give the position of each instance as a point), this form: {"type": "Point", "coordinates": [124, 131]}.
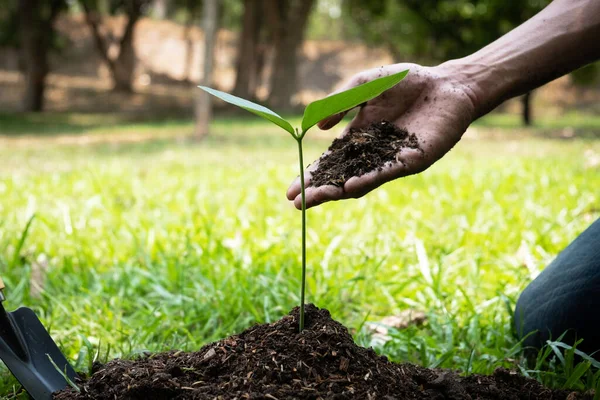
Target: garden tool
{"type": "Point", "coordinates": [30, 353]}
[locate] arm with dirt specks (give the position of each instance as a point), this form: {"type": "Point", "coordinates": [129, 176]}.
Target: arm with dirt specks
{"type": "Point", "coordinates": [559, 39]}
{"type": "Point", "coordinates": [437, 104]}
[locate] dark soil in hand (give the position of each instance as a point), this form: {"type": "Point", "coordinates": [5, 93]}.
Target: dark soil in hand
{"type": "Point", "coordinates": [274, 361]}
{"type": "Point", "coordinates": [360, 152]}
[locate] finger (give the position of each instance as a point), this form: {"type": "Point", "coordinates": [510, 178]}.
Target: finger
{"type": "Point", "coordinates": [358, 122]}
{"type": "Point", "coordinates": [409, 161]}
{"type": "Point", "coordinates": [358, 186]}
{"type": "Point", "coordinates": [319, 195]}
{"type": "Point", "coordinates": [294, 189]}
{"type": "Point", "coordinates": [331, 121]}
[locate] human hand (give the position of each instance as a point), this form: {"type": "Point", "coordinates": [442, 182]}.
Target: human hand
{"type": "Point", "coordinates": [430, 102]}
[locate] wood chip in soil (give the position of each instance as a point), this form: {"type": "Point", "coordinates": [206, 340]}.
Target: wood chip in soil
{"type": "Point", "coordinates": [361, 151]}
{"type": "Point", "coordinates": [274, 361]}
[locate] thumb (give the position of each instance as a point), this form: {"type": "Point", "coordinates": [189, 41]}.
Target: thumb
{"type": "Point", "coordinates": [333, 120]}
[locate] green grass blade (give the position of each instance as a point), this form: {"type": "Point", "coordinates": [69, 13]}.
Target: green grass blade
{"type": "Point", "coordinates": [444, 357]}
{"type": "Point", "coordinates": [587, 357]}
{"type": "Point", "coordinates": [558, 353]}
{"type": "Point", "coordinates": [578, 372]}
{"type": "Point", "coordinates": [348, 99]}
{"type": "Point", "coordinates": [19, 247]}
{"type": "Point", "coordinates": [254, 108]}
{"type": "Point", "coordinates": [64, 374]}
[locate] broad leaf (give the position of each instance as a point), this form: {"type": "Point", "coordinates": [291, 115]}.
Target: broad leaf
{"type": "Point", "coordinates": [348, 99]}
{"type": "Point", "coordinates": [252, 107]}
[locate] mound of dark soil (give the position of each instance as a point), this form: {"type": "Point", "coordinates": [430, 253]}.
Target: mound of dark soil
{"type": "Point", "coordinates": [274, 361]}
{"type": "Point", "coordinates": [362, 151]}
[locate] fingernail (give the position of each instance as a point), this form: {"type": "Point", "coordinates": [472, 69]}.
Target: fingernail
{"type": "Point", "coordinates": [324, 124]}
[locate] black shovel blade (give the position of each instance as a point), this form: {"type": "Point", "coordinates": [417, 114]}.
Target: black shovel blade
{"type": "Point", "coordinates": [26, 348]}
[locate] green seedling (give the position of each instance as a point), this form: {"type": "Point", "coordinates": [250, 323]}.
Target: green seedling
{"type": "Point", "coordinates": [314, 112]}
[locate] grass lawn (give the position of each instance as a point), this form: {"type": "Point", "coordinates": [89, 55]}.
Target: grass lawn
{"type": "Point", "coordinates": [169, 244]}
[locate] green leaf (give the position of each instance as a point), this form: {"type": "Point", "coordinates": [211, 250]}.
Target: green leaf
{"type": "Point", "coordinates": [578, 372]}
{"type": "Point", "coordinates": [446, 356]}
{"type": "Point", "coordinates": [254, 108]}
{"type": "Point", "coordinates": [348, 99]}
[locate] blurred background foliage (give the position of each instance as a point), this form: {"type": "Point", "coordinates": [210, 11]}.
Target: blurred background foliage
{"type": "Point", "coordinates": [266, 49]}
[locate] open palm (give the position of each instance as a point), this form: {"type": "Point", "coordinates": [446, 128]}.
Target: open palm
{"type": "Point", "coordinates": [429, 102]}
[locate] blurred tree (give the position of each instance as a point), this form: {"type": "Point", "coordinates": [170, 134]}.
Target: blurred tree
{"type": "Point", "coordinates": [390, 24]}
{"type": "Point", "coordinates": [122, 67]}
{"type": "Point", "coordinates": [160, 8]}
{"type": "Point", "coordinates": [586, 76]}
{"type": "Point", "coordinates": [287, 20]}
{"type": "Point", "coordinates": [9, 31]}
{"type": "Point", "coordinates": [276, 26]}
{"type": "Point", "coordinates": [36, 35]}
{"type": "Point", "coordinates": [9, 24]}
{"type": "Point", "coordinates": [203, 109]}
{"type": "Point", "coordinates": [187, 12]}
{"type": "Point", "coordinates": [434, 31]}
{"type": "Point", "coordinates": [193, 9]}
{"type": "Point", "coordinates": [250, 54]}
{"type": "Point", "coordinates": [327, 23]}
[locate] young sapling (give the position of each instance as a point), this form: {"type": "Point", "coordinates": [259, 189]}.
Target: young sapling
{"type": "Point", "coordinates": [314, 112]}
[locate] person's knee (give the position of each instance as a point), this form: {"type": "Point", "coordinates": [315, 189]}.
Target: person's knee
{"type": "Point", "coordinates": [563, 301]}
{"type": "Point", "coordinates": [535, 325]}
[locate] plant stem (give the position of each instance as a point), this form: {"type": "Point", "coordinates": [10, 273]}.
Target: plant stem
{"type": "Point", "coordinates": [303, 196]}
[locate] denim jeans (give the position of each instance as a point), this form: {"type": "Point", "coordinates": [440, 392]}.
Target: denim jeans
{"type": "Point", "coordinates": [565, 297]}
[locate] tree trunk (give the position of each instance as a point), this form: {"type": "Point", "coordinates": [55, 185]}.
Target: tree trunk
{"type": "Point", "coordinates": [289, 19]}
{"type": "Point", "coordinates": [248, 53]}
{"type": "Point", "coordinates": [189, 53]}
{"type": "Point", "coordinates": [160, 8]}
{"type": "Point", "coordinates": [261, 61]}
{"type": "Point", "coordinates": [203, 108]}
{"type": "Point", "coordinates": [36, 32]}
{"type": "Point", "coordinates": [189, 43]}
{"type": "Point", "coordinates": [122, 68]}
{"type": "Point", "coordinates": [526, 103]}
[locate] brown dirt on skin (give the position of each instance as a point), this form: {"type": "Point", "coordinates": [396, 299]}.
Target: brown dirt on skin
{"type": "Point", "coordinates": [362, 151]}
{"type": "Point", "coordinates": [274, 361]}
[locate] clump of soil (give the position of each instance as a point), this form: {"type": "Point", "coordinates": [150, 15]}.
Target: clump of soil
{"type": "Point", "coordinates": [274, 361]}
{"type": "Point", "coordinates": [361, 151]}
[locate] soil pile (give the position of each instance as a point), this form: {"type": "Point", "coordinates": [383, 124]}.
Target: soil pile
{"type": "Point", "coordinates": [274, 361]}
{"type": "Point", "coordinates": [362, 151]}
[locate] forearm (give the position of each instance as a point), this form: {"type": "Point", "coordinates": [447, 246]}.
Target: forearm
{"type": "Point", "coordinates": [561, 38]}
